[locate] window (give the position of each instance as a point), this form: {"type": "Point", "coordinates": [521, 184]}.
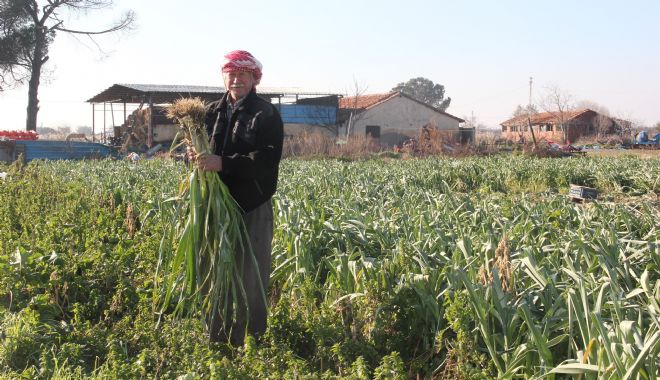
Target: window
{"type": "Point", "coordinates": [373, 131]}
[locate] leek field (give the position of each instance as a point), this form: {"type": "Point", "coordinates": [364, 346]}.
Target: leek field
{"type": "Point", "coordinates": [383, 268]}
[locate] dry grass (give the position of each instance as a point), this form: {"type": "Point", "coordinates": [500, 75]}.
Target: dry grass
{"type": "Point", "coordinates": [542, 149]}
{"type": "Point", "coordinates": [502, 263]}
{"type": "Point", "coordinates": [131, 222]}
{"type": "Point", "coordinates": [610, 140]}
{"type": "Point", "coordinates": [488, 136]}
{"type": "Point", "coordinates": [430, 142]}
{"type": "Point", "coordinates": [640, 153]}
{"type": "Point", "coordinates": [187, 111]}
{"type": "Point", "coordinates": [320, 145]}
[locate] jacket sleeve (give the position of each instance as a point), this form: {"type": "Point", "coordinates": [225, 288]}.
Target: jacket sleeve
{"type": "Point", "coordinates": [263, 161]}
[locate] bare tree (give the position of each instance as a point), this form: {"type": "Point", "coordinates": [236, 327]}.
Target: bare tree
{"type": "Point", "coordinates": [602, 122]}
{"type": "Point", "coordinates": [30, 26]}
{"type": "Point", "coordinates": [353, 113]}
{"type": "Point", "coordinates": [594, 106]}
{"type": "Point", "coordinates": [626, 126]}
{"type": "Point", "coordinates": [524, 111]}
{"type": "Point", "coordinates": [522, 119]}
{"type": "Point", "coordinates": [558, 102]}
{"type": "Point", "coordinates": [332, 128]}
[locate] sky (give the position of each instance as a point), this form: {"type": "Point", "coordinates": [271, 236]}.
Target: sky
{"type": "Point", "coordinates": [483, 52]}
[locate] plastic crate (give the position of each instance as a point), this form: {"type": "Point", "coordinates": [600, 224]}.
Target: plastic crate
{"type": "Point", "coordinates": [582, 192]}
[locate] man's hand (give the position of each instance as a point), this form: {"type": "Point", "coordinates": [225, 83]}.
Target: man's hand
{"type": "Point", "coordinates": [191, 155]}
{"type": "Point", "coordinates": [208, 162]}
{"type": "Point", "coordinates": [204, 161]}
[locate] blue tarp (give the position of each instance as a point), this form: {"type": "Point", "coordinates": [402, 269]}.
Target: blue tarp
{"type": "Point", "coordinates": [308, 114]}
{"type": "Point", "coordinates": [61, 150]}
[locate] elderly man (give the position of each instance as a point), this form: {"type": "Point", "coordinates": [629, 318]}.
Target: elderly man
{"type": "Point", "coordinates": [246, 135]}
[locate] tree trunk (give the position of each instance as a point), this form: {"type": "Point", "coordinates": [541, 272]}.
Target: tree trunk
{"type": "Point", "coordinates": [38, 60]}
{"type": "Point", "coordinates": [531, 130]}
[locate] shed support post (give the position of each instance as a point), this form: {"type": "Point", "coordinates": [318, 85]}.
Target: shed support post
{"type": "Point", "coordinates": [112, 113]}
{"type": "Point", "coordinates": [104, 122]}
{"type": "Point", "coordinates": [150, 126]}
{"type": "Point", "coordinates": [93, 123]}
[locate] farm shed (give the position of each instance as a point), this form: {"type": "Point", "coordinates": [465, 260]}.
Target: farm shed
{"type": "Point", "coordinates": [552, 125]}
{"type": "Point", "coordinates": [142, 120]}
{"type": "Point", "coordinates": [320, 116]}
{"type": "Point", "coordinates": [392, 117]}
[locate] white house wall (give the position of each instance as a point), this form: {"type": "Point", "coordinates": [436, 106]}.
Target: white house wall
{"type": "Point", "coordinates": [400, 117]}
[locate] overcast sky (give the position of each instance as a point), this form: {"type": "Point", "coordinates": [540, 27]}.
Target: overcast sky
{"type": "Point", "coordinates": [483, 52]}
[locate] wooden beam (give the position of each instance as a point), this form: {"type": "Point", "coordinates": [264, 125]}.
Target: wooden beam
{"type": "Point", "coordinates": [150, 127]}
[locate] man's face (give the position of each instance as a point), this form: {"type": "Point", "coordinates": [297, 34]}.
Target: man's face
{"type": "Point", "coordinates": [239, 83]}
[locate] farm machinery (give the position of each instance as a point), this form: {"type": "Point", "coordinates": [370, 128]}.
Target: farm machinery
{"type": "Point", "coordinates": [643, 141]}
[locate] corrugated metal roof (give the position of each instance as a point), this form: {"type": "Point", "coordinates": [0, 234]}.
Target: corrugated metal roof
{"type": "Point", "coordinates": [163, 93]}
{"type": "Point", "coordinates": [172, 88]}
{"type": "Point", "coordinates": [292, 91]}
{"type": "Point", "coordinates": [139, 93]}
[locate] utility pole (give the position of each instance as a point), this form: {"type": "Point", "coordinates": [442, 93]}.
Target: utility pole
{"type": "Point", "coordinates": [529, 111]}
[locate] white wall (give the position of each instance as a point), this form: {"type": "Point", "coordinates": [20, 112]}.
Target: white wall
{"type": "Point", "coordinates": [400, 117]}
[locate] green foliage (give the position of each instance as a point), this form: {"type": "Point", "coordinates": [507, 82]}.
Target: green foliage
{"type": "Point", "coordinates": [391, 368]}
{"type": "Point", "coordinates": [402, 276]}
{"type": "Point", "coordinates": [463, 359]}
{"type": "Point", "coordinates": [425, 91]}
{"type": "Point", "coordinates": [16, 40]}
{"type": "Point", "coordinates": [28, 28]}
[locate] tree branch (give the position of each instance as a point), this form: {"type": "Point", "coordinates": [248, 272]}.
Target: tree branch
{"type": "Point", "coordinates": [126, 22]}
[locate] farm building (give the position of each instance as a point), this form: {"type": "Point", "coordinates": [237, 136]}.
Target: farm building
{"type": "Point", "coordinates": [142, 121]}
{"type": "Point", "coordinates": [556, 126]}
{"type": "Point", "coordinates": [393, 117]}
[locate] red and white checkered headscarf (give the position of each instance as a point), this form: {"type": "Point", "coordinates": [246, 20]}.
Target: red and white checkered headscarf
{"type": "Point", "coordinates": [241, 60]}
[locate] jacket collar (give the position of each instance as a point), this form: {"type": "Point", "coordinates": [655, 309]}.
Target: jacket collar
{"type": "Point", "coordinates": [224, 102]}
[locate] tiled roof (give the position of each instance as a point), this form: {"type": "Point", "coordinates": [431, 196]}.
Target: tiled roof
{"type": "Point", "coordinates": [364, 101]}
{"type": "Point", "coordinates": [546, 117]}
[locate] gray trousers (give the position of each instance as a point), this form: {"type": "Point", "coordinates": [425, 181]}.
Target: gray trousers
{"type": "Point", "coordinates": [259, 225]}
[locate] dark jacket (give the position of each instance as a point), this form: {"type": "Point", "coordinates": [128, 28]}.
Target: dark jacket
{"type": "Point", "coordinates": [250, 147]}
